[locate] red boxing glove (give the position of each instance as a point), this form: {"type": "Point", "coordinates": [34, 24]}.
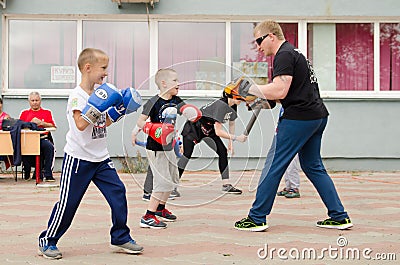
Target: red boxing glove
{"type": "Point", "coordinates": [191, 112]}
{"type": "Point", "coordinates": [162, 133]}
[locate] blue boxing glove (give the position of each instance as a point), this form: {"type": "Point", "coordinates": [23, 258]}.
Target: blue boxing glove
{"type": "Point", "coordinates": [131, 102]}
{"type": "Point", "coordinates": [103, 97]}
{"type": "Point", "coordinates": [115, 113]}
{"type": "Point", "coordinates": [132, 99]}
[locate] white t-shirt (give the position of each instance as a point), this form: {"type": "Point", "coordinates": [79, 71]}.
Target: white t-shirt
{"type": "Point", "coordinates": [91, 143]}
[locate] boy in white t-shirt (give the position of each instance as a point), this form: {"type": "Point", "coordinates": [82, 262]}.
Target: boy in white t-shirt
{"type": "Point", "coordinates": [86, 157]}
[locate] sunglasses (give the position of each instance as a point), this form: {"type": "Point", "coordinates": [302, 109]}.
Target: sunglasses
{"type": "Point", "coordinates": [261, 39]}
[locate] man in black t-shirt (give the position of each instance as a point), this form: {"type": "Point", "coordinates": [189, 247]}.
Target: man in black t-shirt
{"type": "Point", "coordinates": [299, 130]}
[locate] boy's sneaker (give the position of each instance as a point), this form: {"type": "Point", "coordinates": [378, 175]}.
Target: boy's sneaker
{"type": "Point", "coordinates": [293, 193]}
{"type": "Point", "coordinates": [175, 193]}
{"type": "Point", "coordinates": [146, 197]}
{"type": "Point", "coordinates": [330, 223]}
{"type": "Point", "coordinates": [131, 247]}
{"type": "Point", "coordinates": [50, 252]}
{"type": "Point", "coordinates": [166, 215]}
{"type": "Point", "coordinates": [230, 189]}
{"type": "Point", "coordinates": [150, 221]}
{"type": "Point", "coordinates": [247, 224]}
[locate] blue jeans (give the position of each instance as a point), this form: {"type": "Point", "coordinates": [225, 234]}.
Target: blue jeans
{"type": "Point", "coordinates": [304, 138]}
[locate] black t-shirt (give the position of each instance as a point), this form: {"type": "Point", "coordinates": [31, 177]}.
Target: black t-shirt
{"type": "Point", "coordinates": [303, 101]}
{"type": "Point", "coordinates": [216, 111]}
{"type": "Point", "coordinates": [156, 108]}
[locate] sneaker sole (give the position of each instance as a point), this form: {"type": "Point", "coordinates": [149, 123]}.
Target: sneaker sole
{"type": "Point", "coordinates": [129, 251]}
{"type": "Point", "coordinates": [339, 227]}
{"type": "Point", "coordinates": [166, 220]}
{"type": "Point", "coordinates": [292, 197]}
{"type": "Point", "coordinates": [253, 229]}
{"type": "Point", "coordinates": [151, 227]}
{"type": "Point", "coordinates": [40, 253]}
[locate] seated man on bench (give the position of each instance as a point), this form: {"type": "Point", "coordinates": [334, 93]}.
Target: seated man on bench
{"type": "Point", "coordinates": [44, 119]}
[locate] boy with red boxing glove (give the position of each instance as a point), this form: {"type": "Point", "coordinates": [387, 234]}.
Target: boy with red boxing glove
{"type": "Point", "coordinates": [162, 110]}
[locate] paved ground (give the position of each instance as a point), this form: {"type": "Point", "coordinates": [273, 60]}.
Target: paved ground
{"type": "Point", "coordinates": [204, 233]}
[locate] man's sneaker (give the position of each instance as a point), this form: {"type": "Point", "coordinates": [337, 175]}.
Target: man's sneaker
{"type": "Point", "coordinates": [131, 247]}
{"type": "Point", "coordinates": [293, 193]}
{"type": "Point", "coordinates": [175, 193]}
{"type": "Point", "coordinates": [50, 252]}
{"type": "Point", "coordinates": [50, 179]}
{"type": "Point", "coordinates": [146, 197]}
{"type": "Point", "coordinates": [230, 189]}
{"type": "Point", "coordinates": [282, 192]}
{"type": "Point", "coordinates": [166, 215]}
{"type": "Point", "coordinates": [150, 221]}
{"type": "Point", "coordinates": [330, 223]}
{"type": "Point", "coordinates": [247, 224]}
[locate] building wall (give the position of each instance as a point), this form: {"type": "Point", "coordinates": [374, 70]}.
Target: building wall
{"type": "Point", "coordinates": [290, 8]}
{"type": "Point", "coordinates": [361, 133]}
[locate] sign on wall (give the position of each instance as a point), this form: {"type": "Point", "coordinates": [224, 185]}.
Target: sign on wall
{"type": "Point", "coordinates": [63, 74]}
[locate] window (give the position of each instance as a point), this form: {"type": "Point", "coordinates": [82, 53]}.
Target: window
{"type": "Point", "coordinates": [342, 55]}
{"type": "Point", "coordinates": [245, 55]}
{"type": "Point", "coordinates": [347, 57]}
{"type": "Point", "coordinates": [127, 45]}
{"type": "Point", "coordinates": [196, 50]}
{"type": "Point", "coordinates": [42, 54]}
{"type": "Point", "coordinates": [354, 56]}
{"type": "Point", "coordinates": [390, 56]}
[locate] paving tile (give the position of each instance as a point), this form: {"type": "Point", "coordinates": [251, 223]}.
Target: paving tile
{"type": "Point", "coordinates": [204, 233]}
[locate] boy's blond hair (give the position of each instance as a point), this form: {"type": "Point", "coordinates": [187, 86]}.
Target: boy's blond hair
{"type": "Point", "coordinates": [269, 26]}
{"type": "Point", "coordinates": [162, 75]}
{"type": "Point", "coordinates": [91, 56]}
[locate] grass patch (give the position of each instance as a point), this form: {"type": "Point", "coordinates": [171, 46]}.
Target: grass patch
{"type": "Point", "coordinates": [136, 164]}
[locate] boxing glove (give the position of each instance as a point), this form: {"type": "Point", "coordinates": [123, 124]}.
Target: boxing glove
{"type": "Point", "coordinates": [239, 89]}
{"type": "Point", "coordinates": [131, 99]}
{"type": "Point", "coordinates": [191, 112]}
{"type": "Point", "coordinates": [162, 133]}
{"type": "Point", "coordinates": [102, 98]}
{"type": "Point", "coordinates": [131, 102]}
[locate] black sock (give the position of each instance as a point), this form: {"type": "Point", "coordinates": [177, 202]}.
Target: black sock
{"type": "Point", "coordinates": [150, 212]}
{"type": "Point", "coordinates": [160, 207]}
